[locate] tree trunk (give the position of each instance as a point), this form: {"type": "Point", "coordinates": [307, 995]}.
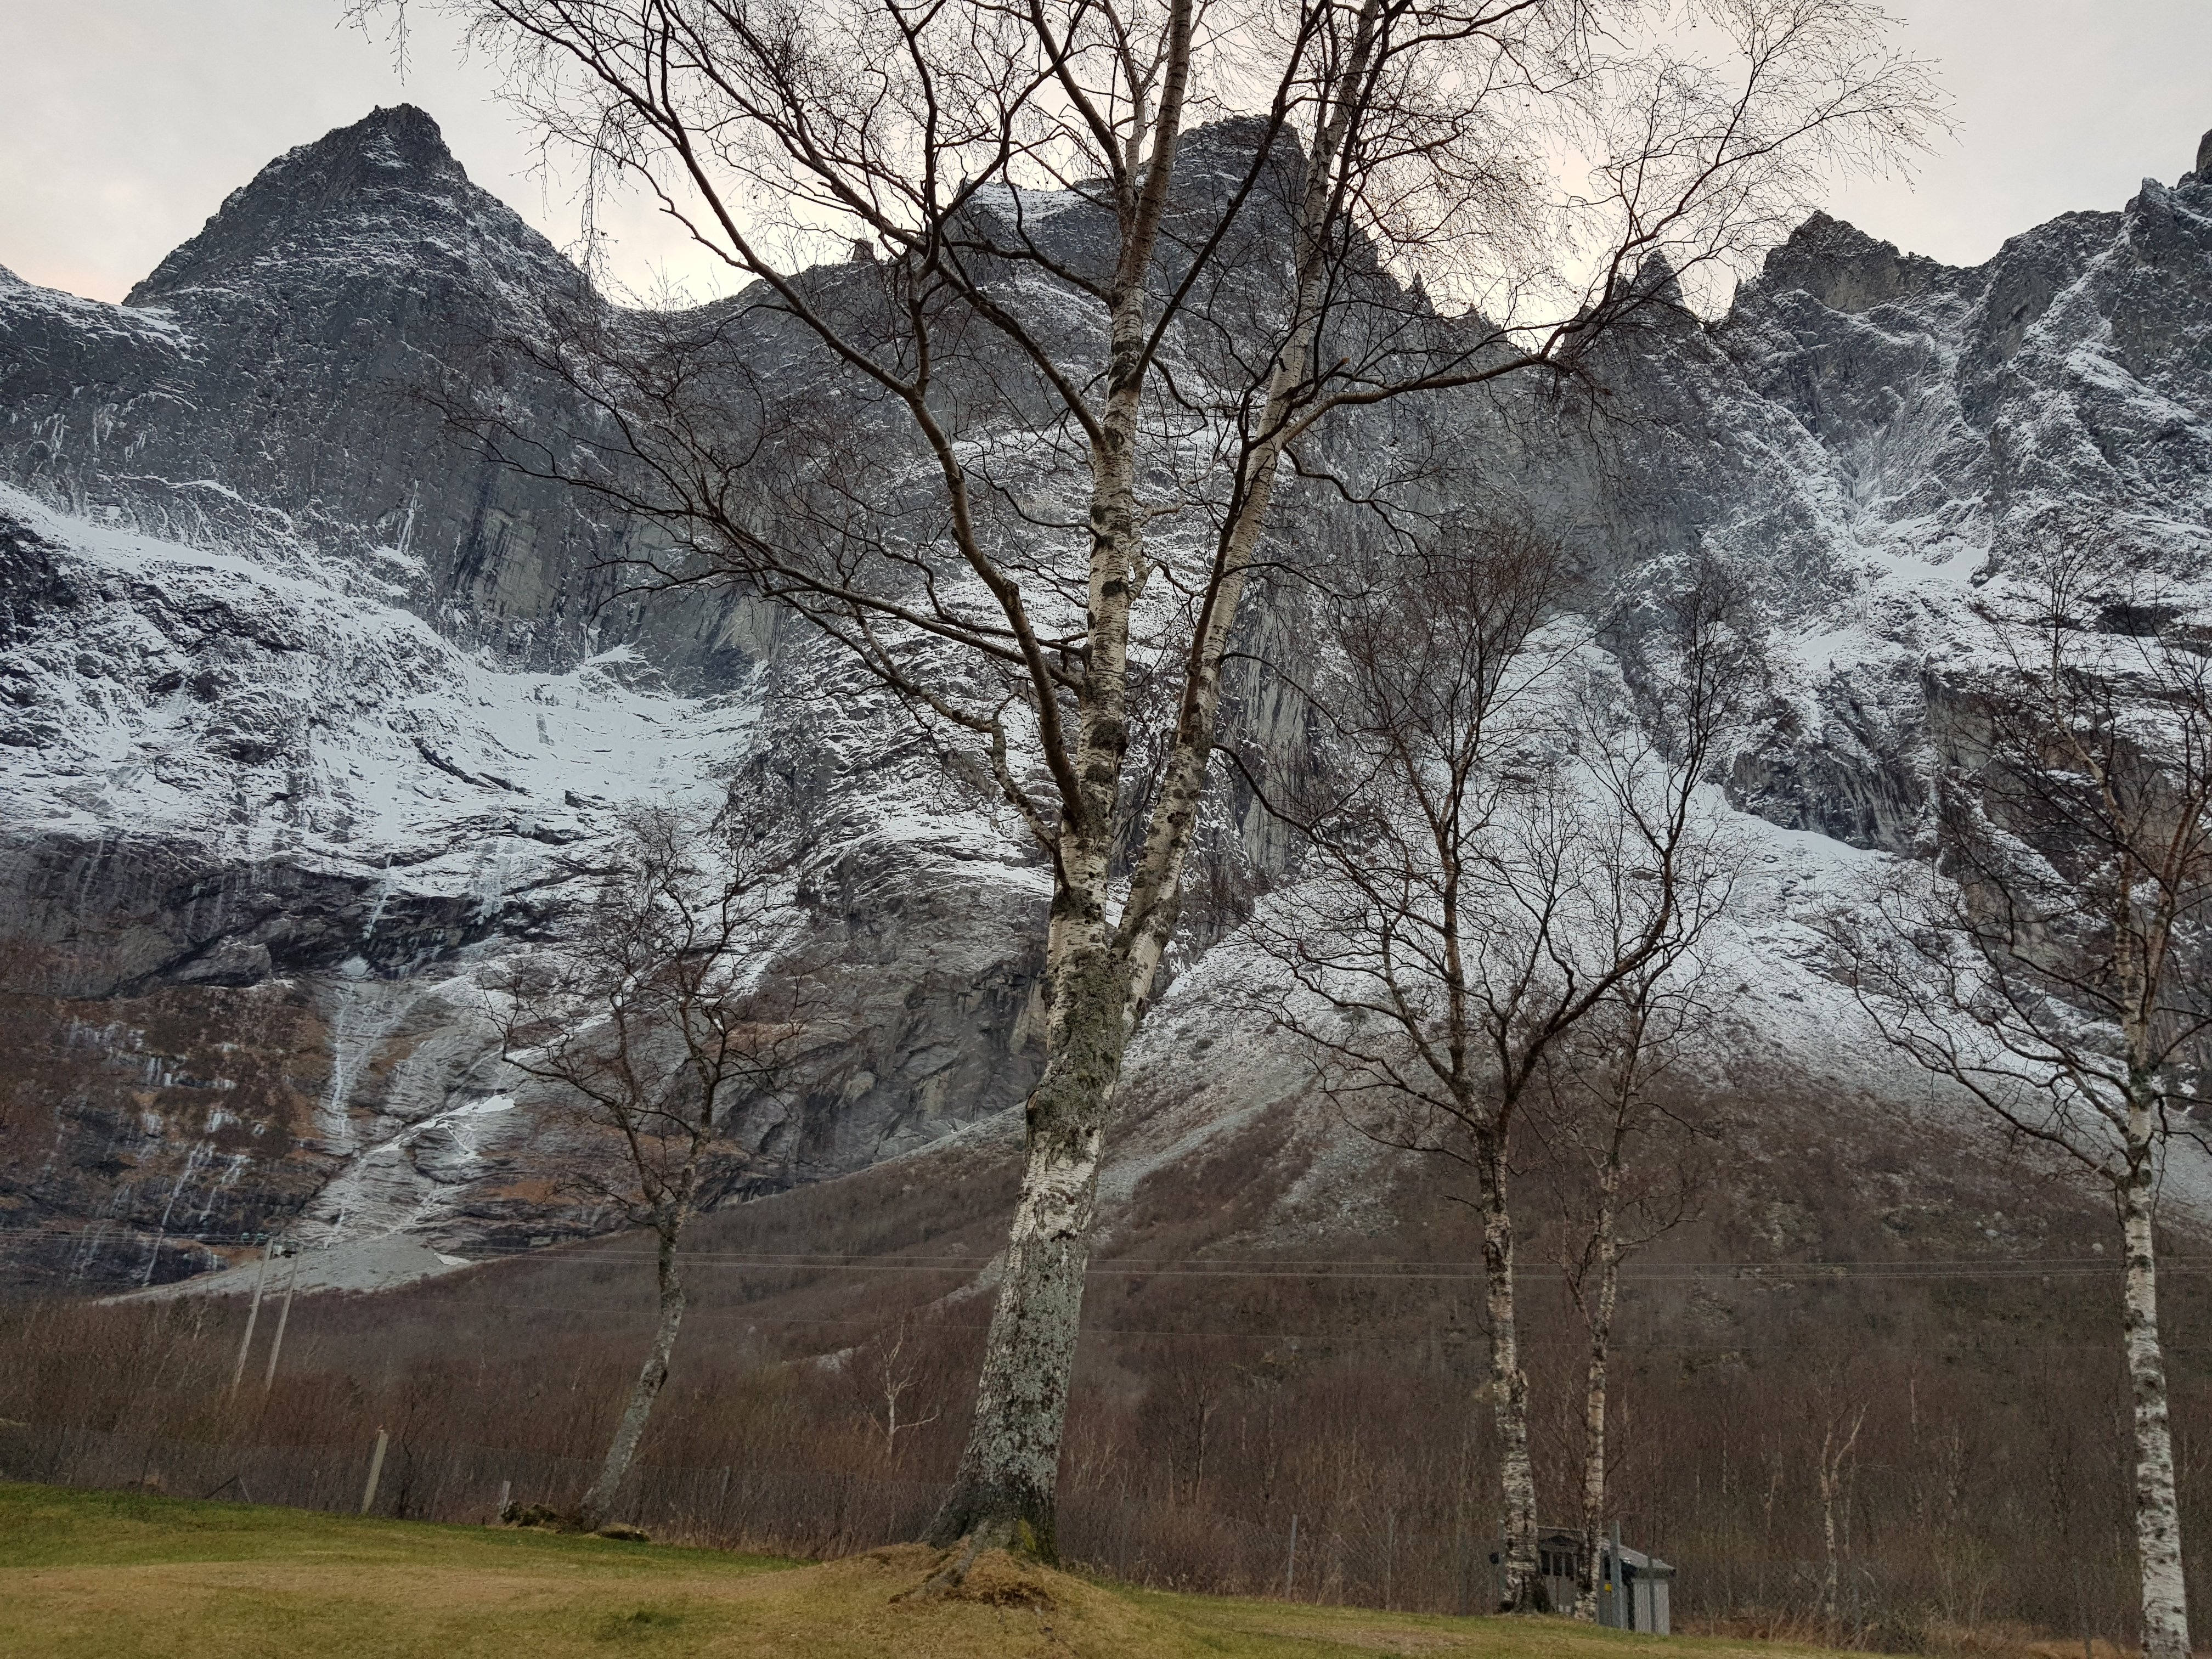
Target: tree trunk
{"type": "Point", "coordinates": [1594, 1408]}
{"type": "Point", "coordinates": [600, 1499]}
{"type": "Point", "coordinates": [1833, 1457]}
{"type": "Point", "coordinates": [2158, 1518]}
{"type": "Point", "coordinates": [1831, 1581]}
{"type": "Point", "coordinates": [1003, 1493]}
{"type": "Point", "coordinates": [1520, 1588]}
{"type": "Point", "coordinates": [1102, 979]}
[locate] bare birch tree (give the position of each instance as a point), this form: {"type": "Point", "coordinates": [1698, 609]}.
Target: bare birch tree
{"type": "Point", "coordinates": [2056, 967]}
{"type": "Point", "coordinates": [1605, 1120]}
{"type": "Point", "coordinates": [1508, 852]}
{"type": "Point", "coordinates": [1839, 1439]}
{"type": "Point", "coordinates": [1019, 447]}
{"type": "Point", "coordinates": [658, 1021]}
{"type": "Point", "coordinates": [887, 1373]}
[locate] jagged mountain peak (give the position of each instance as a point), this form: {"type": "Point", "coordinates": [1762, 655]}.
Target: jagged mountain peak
{"type": "Point", "coordinates": [391, 135]}
{"type": "Point", "coordinates": [1845, 269]}
{"type": "Point", "coordinates": [388, 178]}
{"type": "Point", "coordinates": [304, 706]}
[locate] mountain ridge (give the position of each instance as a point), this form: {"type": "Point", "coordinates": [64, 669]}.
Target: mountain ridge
{"type": "Point", "coordinates": [303, 700]}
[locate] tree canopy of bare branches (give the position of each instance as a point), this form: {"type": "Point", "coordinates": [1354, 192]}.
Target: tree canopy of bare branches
{"type": "Point", "coordinates": [2055, 967]}
{"type": "Point", "coordinates": [1506, 855]}
{"type": "Point", "coordinates": [660, 1023]}
{"type": "Point", "coordinates": [1047, 309]}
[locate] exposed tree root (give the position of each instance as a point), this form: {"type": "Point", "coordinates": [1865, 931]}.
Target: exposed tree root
{"type": "Point", "coordinates": [985, 1567]}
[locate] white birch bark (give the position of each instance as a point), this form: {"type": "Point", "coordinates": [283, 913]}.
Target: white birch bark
{"type": "Point", "coordinates": [1519, 1588]}
{"type": "Point", "coordinates": [1102, 979]}
{"type": "Point", "coordinates": [1831, 1578]}
{"type": "Point", "coordinates": [2158, 1516]}
{"type": "Point", "coordinates": [1155, 887]}
{"type": "Point", "coordinates": [1003, 1491]}
{"type": "Point", "coordinates": [598, 1503]}
{"type": "Point", "coordinates": [1830, 1473]}
{"type": "Point", "coordinates": [1594, 1396]}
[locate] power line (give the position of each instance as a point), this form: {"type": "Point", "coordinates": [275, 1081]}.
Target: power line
{"type": "Point", "coordinates": [1348, 1269]}
{"type": "Point", "coordinates": [1400, 1339]}
{"type": "Point", "coordinates": [1358, 1270]}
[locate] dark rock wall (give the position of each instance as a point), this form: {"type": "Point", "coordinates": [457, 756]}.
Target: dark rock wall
{"type": "Point", "coordinates": [1866, 431]}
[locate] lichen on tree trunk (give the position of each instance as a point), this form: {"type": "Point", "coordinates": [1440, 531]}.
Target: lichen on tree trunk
{"type": "Point", "coordinates": [1100, 982]}
{"type": "Point", "coordinates": [598, 1503]}
{"type": "Point", "coordinates": [2158, 1516]}
{"type": "Point", "coordinates": [1003, 1494]}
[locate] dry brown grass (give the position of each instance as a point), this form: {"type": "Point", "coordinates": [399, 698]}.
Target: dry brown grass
{"type": "Point", "coordinates": [121, 1576]}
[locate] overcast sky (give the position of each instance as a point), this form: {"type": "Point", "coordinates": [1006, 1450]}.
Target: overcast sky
{"type": "Point", "coordinates": [125, 123]}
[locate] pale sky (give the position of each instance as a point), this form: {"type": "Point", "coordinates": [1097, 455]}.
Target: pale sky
{"type": "Point", "coordinates": [125, 123]}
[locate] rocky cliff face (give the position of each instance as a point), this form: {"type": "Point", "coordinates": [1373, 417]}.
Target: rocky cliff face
{"type": "Point", "coordinates": [303, 700]}
{"type": "Point", "coordinates": [308, 710]}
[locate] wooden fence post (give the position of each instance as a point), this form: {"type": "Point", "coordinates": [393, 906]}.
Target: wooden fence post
{"type": "Point", "coordinates": [375, 1473]}
{"type": "Point", "coordinates": [1390, 1558]}
{"type": "Point", "coordinates": [284, 1318]}
{"type": "Point", "coordinates": [252, 1312]}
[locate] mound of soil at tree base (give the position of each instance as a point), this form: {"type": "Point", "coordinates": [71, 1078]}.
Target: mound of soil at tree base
{"type": "Point", "coordinates": [996, 1578]}
{"type": "Point", "coordinates": [1002, 1604]}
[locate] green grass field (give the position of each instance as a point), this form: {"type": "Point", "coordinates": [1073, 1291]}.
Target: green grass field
{"type": "Point", "coordinates": [120, 1576]}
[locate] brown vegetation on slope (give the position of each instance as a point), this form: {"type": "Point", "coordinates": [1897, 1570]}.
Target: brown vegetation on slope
{"type": "Point", "coordinates": [1234, 1374]}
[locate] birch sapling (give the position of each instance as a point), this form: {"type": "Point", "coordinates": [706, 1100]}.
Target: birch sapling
{"type": "Point", "coordinates": [1609, 1132]}
{"type": "Point", "coordinates": [665, 1025]}
{"type": "Point", "coordinates": [1838, 1439]}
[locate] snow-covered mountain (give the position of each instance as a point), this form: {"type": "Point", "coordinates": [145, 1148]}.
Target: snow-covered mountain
{"type": "Point", "coordinates": [307, 709]}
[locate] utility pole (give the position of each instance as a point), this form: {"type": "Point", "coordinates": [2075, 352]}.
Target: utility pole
{"type": "Point", "coordinates": [260, 1283]}
{"type": "Point", "coordinates": [284, 1318]}
{"type": "Point", "coordinates": [1291, 1573]}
